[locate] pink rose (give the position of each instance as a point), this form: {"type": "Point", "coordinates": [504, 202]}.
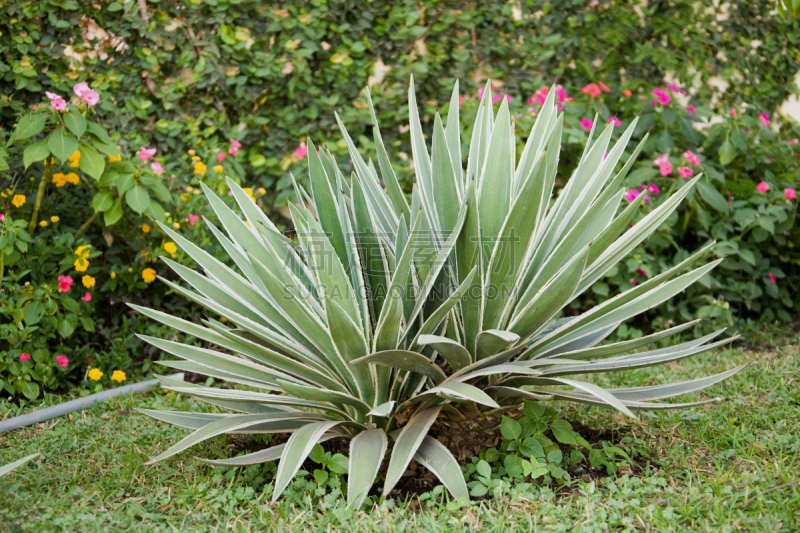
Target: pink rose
{"type": "Point", "coordinates": [146, 153]}
{"type": "Point", "coordinates": [193, 219]}
{"type": "Point", "coordinates": [25, 357]}
{"type": "Point", "coordinates": [586, 123]}
{"type": "Point", "coordinates": [789, 193]}
{"type": "Point", "coordinates": [301, 151]}
{"type": "Point", "coordinates": [221, 157]}
{"type": "Point", "coordinates": [64, 283]}
{"type": "Point", "coordinates": [685, 172]}
{"type": "Point", "coordinates": [87, 297]}
{"type": "Point", "coordinates": [617, 122]}
{"type": "Point", "coordinates": [762, 187]}
{"type": "Point", "coordinates": [156, 167]}
{"type": "Point", "coordinates": [691, 158]}
{"type": "Point", "coordinates": [62, 361]}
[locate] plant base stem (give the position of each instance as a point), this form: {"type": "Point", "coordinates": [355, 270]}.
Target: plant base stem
{"type": "Point", "coordinates": [48, 168]}
{"type": "Point", "coordinates": [86, 224]}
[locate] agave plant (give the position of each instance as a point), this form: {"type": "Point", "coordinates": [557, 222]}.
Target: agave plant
{"type": "Point", "coordinates": [383, 316]}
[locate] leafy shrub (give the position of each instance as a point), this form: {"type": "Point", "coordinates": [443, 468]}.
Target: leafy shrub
{"type": "Point", "coordinates": [383, 316]}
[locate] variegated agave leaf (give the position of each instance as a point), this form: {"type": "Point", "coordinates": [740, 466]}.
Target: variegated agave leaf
{"type": "Point", "coordinates": [386, 308]}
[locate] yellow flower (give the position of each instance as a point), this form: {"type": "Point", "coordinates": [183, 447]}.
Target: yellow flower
{"type": "Point", "coordinates": [218, 168]}
{"type": "Point", "coordinates": [59, 179]}
{"type": "Point", "coordinates": [191, 152]}
{"type": "Point", "coordinates": [149, 275]}
{"type": "Point", "coordinates": [118, 375]}
{"type": "Point", "coordinates": [167, 214]}
{"type": "Point", "coordinates": [83, 251]}
{"type": "Point", "coordinates": [146, 228]}
{"type": "Point", "coordinates": [81, 264]}
{"type": "Point", "coordinates": [184, 198]}
{"type": "Point", "coordinates": [195, 158]}
{"type": "Point", "coordinates": [73, 178]}
{"type": "Point", "coordinates": [43, 223]}
{"type": "Point", "coordinates": [112, 158]}
{"type": "Point", "coordinates": [189, 188]}
{"type": "Point", "coordinates": [199, 168]}
{"type": "Point", "coordinates": [74, 159]}
{"type": "Point", "coordinates": [54, 219]}
{"type": "Point", "coordinates": [176, 225]}
{"type": "Point", "coordinates": [196, 191]}
{"type": "Point", "coordinates": [113, 275]}
{"type": "Point", "coordinates": [18, 200]}
{"type": "Point", "coordinates": [261, 191]}
{"type": "Point", "coordinates": [249, 192]}
{"type": "Point", "coordinates": [170, 247]}
{"type": "Point", "coordinates": [88, 281]}
{"type": "Point", "coordinates": [95, 374]}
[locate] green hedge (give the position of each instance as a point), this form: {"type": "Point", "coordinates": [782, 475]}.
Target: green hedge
{"type": "Point", "coordinates": [191, 74]}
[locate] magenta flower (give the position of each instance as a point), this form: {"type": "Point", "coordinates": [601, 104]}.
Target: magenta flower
{"type": "Point", "coordinates": [764, 119]}
{"type": "Point", "coordinates": [85, 93]}
{"type": "Point", "coordinates": [733, 112]}
{"type": "Point", "coordinates": [146, 153]}
{"type": "Point", "coordinates": [617, 122]}
{"type": "Point", "coordinates": [762, 187]}
{"type": "Point", "coordinates": [793, 142]}
{"type": "Point", "coordinates": [25, 357]}
{"type": "Point", "coordinates": [631, 195]}
{"type": "Point", "coordinates": [58, 103]}
{"type": "Point", "coordinates": [87, 297]}
{"type": "Point", "coordinates": [193, 219]}
{"type": "Point", "coordinates": [661, 97]}
{"type": "Point", "coordinates": [633, 281]}
{"type": "Point", "coordinates": [301, 151]}
{"type": "Point", "coordinates": [690, 109]}
{"type": "Point", "coordinates": [772, 278]}
{"type": "Point", "coordinates": [746, 131]}
{"type": "Point", "coordinates": [235, 145]}
{"type": "Point", "coordinates": [641, 272]}
{"type": "Point", "coordinates": [665, 168]}
{"type": "Point", "coordinates": [654, 189]}
{"type": "Point", "coordinates": [674, 88]}
{"type": "Point", "coordinates": [221, 157]}
{"type": "Point", "coordinates": [156, 167]}
{"type": "Point", "coordinates": [691, 158]}
{"type": "Point", "coordinates": [2, 217]}
{"type": "Point", "coordinates": [64, 283]}
{"type": "Point", "coordinates": [62, 361]}
{"type": "Point", "coordinates": [587, 124]}
{"type": "Point", "coordinates": [789, 193]}
{"type": "Point", "coordinates": [685, 172]}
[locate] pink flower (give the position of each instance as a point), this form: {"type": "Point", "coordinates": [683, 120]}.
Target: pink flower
{"type": "Point", "coordinates": [789, 193]}
{"type": "Point", "coordinates": [772, 278]}
{"type": "Point", "coordinates": [764, 119]}
{"type": "Point", "coordinates": [661, 160]}
{"type": "Point", "coordinates": [685, 172]}
{"type": "Point", "coordinates": [661, 97]}
{"type": "Point", "coordinates": [25, 357]}
{"type": "Point", "coordinates": [605, 155]}
{"type": "Point", "coordinates": [156, 167]}
{"type": "Point", "coordinates": [617, 122]}
{"type": "Point", "coordinates": [146, 153]}
{"type": "Point", "coordinates": [654, 189]}
{"type": "Point", "coordinates": [2, 217]}
{"type": "Point", "coordinates": [793, 142]}
{"type": "Point", "coordinates": [691, 158]}
{"type": "Point", "coordinates": [460, 100]}
{"type": "Point", "coordinates": [58, 103]}
{"type": "Point", "coordinates": [586, 123]}
{"type": "Point", "coordinates": [633, 281]}
{"type": "Point", "coordinates": [674, 87]}
{"type": "Point", "coordinates": [604, 86]}
{"type": "Point", "coordinates": [592, 90]}
{"type": "Point", "coordinates": [690, 109]}
{"type": "Point", "coordinates": [481, 91]}
{"type": "Point", "coordinates": [665, 168]}
{"type": "Point", "coordinates": [733, 112]}
{"type": "Point", "coordinates": [236, 144]}
{"type": "Point", "coordinates": [64, 283]}
{"type": "Point", "coordinates": [762, 187]}
{"type": "Point", "coordinates": [193, 218]}
{"type": "Point", "coordinates": [233, 150]}
{"type": "Point", "coordinates": [499, 97]}
{"type": "Point", "coordinates": [301, 151]}
{"type": "Point", "coordinates": [631, 195]}
{"type": "Point", "coordinates": [221, 157]}
{"type": "Point", "coordinates": [85, 93]}
{"type": "Point", "coordinates": [62, 361]}
{"type": "Point", "coordinates": [769, 159]}
{"type": "Point", "coordinates": [641, 272]}
{"type": "Point", "coordinates": [87, 297]}
{"type": "Point", "coordinates": [646, 197]}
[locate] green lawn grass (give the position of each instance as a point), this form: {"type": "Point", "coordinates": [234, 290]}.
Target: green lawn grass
{"type": "Point", "coordinates": [709, 468]}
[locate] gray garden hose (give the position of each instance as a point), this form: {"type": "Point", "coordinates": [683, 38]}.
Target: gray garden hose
{"type": "Point", "coordinates": [71, 406]}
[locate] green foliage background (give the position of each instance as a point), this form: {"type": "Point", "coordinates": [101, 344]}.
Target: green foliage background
{"type": "Point", "coordinates": [190, 74]}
